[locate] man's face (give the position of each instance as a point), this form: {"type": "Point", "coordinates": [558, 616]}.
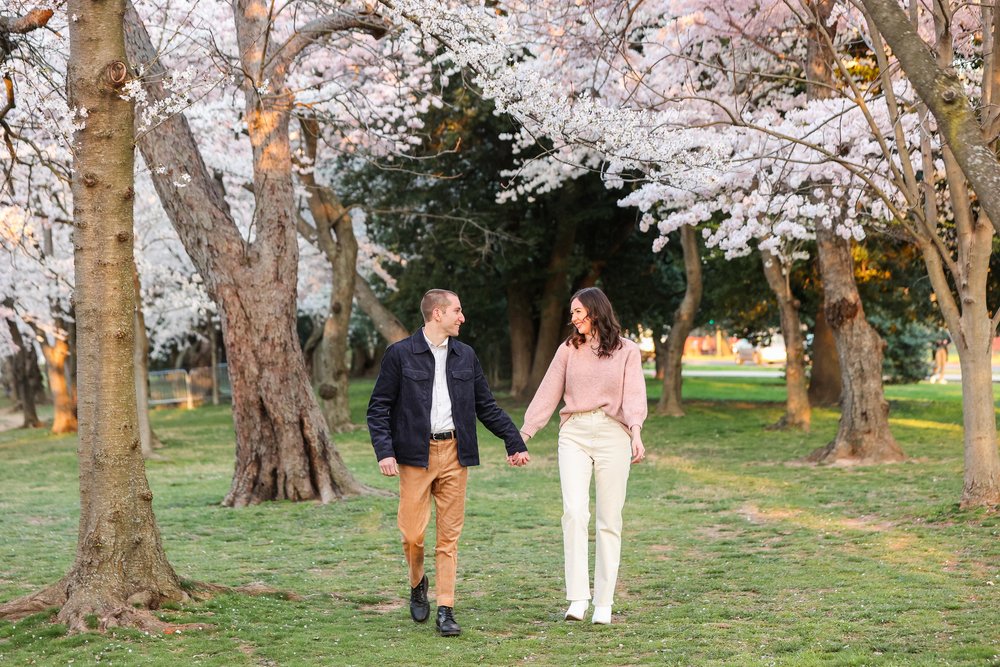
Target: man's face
{"type": "Point", "coordinates": [451, 316]}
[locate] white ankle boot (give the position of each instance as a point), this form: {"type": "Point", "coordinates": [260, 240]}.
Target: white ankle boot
{"type": "Point", "coordinates": [577, 610]}
{"type": "Point", "coordinates": [602, 615]}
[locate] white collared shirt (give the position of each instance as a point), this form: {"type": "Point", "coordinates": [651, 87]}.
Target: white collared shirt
{"type": "Point", "coordinates": [441, 419]}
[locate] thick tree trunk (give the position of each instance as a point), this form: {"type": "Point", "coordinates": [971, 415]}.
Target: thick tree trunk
{"type": "Point", "coordinates": [824, 381]}
{"type": "Point", "coordinates": [120, 561]}
{"type": "Point", "coordinates": [797, 411]}
{"type": "Point", "coordinates": [864, 436]}
{"type": "Point", "coordinates": [670, 401]}
{"type": "Point", "coordinates": [522, 340]}
{"type": "Point", "coordinates": [554, 312]}
{"type": "Point", "coordinates": [283, 450]}
{"type": "Point", "coordinates": [386, 322]}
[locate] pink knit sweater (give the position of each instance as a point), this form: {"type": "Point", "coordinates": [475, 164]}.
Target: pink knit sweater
{"type": "Point", "coordinates": [587, 382]}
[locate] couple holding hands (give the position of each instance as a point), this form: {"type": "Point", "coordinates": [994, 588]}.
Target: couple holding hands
{"type": "Point", "coordinates": [422, 418]}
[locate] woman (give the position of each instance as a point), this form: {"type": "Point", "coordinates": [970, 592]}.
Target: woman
{"type": "Point", "coordinates": [598, 374]}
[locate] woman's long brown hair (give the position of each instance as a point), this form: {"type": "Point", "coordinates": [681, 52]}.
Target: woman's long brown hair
{"type": "Point", "coordinates": [607, 330]}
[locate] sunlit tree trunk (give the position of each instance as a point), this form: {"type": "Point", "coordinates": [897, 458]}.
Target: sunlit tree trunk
{"type": "Point", "coordinates": [283, 447]}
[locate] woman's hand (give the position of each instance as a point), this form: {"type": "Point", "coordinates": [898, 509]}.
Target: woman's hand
{"type": "Point", "coordinates": [638, 450]}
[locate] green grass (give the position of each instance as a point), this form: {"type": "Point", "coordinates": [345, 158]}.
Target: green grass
{"type": "Point", "coordinates": [733, 554]}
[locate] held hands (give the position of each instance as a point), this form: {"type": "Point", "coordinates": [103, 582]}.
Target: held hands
{"type": "Point", "coordinates": [388, 466]}
{"type": "Point", "coordinates": [519, 459]}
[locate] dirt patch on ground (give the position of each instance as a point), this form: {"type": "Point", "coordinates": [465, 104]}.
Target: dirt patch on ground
{"type": "Point", "coordinates": [382, 607]}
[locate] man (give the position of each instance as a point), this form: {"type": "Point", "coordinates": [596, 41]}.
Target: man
{"type": "Point", "coordinates": [422, 420]}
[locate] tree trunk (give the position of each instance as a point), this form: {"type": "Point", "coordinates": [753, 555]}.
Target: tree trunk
{"type": "Point", "coordinates": [120, 561]}
{"type": "Point", "coordinates": [140, 355]}
{"type": "Point", "coordinates": [670, 401]}
{"type": "Point", "coordinates": [797, 411]}
{"type": "Point", "coordinates": [333, 233]}
{"type": "Point", "coordinates": [824, 381]}
{"type": "Point", "coordinates": [63, 398]}
{"type": "Point", "coordinates": [660, 348]}
{"type": "Point", "coordinates": [386, 322]}
{"type": "Point", "coordinates": [283, 450]}
{"type": "Point", "coordinates": [554, 312]}
{"type": "Point", "coordinates": [522, 340]}
{"type": "Point", "coordinates": [864, 435]}
{"type": "Point", "coordinates": [981, 484]}
{"type": "Point", "coordinates": [23, 387]}
{"type": "Point", "coordinates": [213, 341]}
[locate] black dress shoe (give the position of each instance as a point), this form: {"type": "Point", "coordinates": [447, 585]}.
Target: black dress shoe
{"type": "Point", "coordinates": [420, 609]}
{"type": "Point", "coordinates": [446, 624]}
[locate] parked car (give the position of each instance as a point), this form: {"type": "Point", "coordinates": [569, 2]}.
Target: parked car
{"type": "Point", "coordinates": [773, 353]}
{"type": "Point", "coordinates": [743, 351]}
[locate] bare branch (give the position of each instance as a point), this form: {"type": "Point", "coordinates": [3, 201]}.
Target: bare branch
{"type": "Point", "coordinates": [321, 28]}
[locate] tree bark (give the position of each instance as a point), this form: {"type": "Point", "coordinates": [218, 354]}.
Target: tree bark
{"type": "Point", "coordinates": [23, 389]}
{"type": "Point", "coordinates": [522, 340]}
{"type": "Point", "coordinates": [58, 355]}
{"type": "Point", "coordinates": [140, 355]}
{"type": "Point", "coordinates": [660, 348]}
{"type": "Point", "coordinates": [863, 436]}
{"type": "Point", "coordinates": [797, 410]}
{"type": "Point", "coordinates": [333, 233]}
{"type": "Point", "coordinates": [120, 561]}
{"type": "Point", "coordinates": [554, 312]}
{"type": "Point", "coordinates": [824, 381]}
{"type": "Point", "coordinates": [283, 449]}
{"type": "Point", "coordinates": [386, 322]}
{"type": "Point", "coordinates": [670, 400]}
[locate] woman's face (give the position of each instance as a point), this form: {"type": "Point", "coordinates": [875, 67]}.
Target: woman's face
{"type": "Point", "coordinates": [580, 317]}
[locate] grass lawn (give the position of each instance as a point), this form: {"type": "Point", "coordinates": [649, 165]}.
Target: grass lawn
{"type": "Point", "coordinates": [733, 554]}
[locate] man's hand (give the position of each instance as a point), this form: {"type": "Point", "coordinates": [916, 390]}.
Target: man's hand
{"type": "Point", "coordinates": [519, 459]}
{"type": "Point", "coordinates": [388, 466]}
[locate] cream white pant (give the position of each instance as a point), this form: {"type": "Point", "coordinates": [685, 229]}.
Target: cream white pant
{"type": "Point", "coordinates": [592, 442]}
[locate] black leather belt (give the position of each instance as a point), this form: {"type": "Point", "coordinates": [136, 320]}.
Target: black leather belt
{"type": "Point", "coordinates": [443, 435]}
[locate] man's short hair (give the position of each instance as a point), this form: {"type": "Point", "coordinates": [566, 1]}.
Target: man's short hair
{"type": "Point", "coordinates": [435, 298]}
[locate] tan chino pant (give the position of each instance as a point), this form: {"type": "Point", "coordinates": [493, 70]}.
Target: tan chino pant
{"type": "Point", "coordinates": [445, 479]}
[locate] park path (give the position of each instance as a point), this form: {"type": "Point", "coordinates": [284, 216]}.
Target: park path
{"type": "Point", "coordinates": [10, 420]}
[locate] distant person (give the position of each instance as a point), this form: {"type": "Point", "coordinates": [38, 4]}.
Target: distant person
{"type": "Point", "coordinates": [598, 374]}
{"type": "Point", "coordinates": [940, 360]}
{"type": "Point", "coordinates": [422, 419]}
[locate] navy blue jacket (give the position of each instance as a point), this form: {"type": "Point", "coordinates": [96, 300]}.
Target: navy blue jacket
{"type": "Point", "coordinates": [399, 412]}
